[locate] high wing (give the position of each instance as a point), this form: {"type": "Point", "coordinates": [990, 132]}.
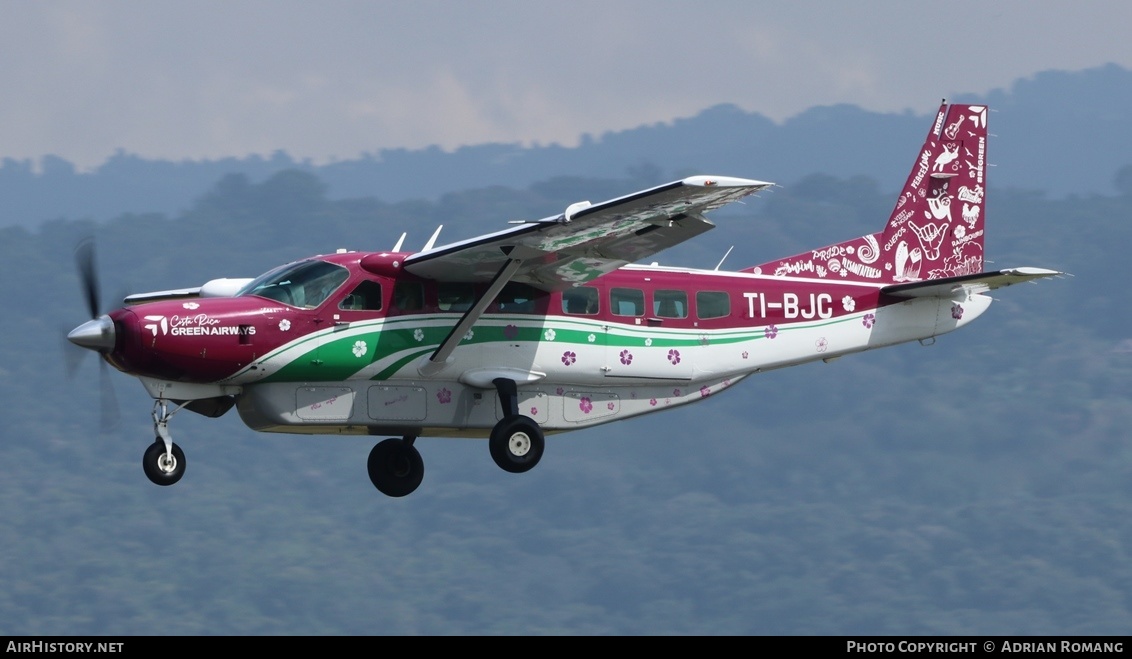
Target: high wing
{"type": "Point", "coordinates": [583, 243]}
{"type": "Point", "coordinates": [964, 284]}
{"type": "Point", "coordinates": [587, 241]}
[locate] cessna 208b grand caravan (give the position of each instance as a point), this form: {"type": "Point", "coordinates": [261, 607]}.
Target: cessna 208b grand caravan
{"type": "Point", "coordinates": [546, 327]}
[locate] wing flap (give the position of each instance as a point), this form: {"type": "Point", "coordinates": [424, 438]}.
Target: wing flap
{"type": "Point", "coordinates": [583, 244]}
{"type": "Point", "coordinates": [947, 287]}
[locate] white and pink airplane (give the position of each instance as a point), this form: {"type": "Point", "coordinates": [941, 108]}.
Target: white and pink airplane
{"type": "Point", "coordinates": [546, 327]}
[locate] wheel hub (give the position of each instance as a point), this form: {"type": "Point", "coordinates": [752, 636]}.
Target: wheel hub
{"type": "Point", "coordinates": [519, 444]}
{"type": "Point", "coordinates": [166, 463]}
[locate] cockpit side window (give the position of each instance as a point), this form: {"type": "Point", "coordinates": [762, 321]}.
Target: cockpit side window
{"type": "Point", "coordinates": [306, 284]}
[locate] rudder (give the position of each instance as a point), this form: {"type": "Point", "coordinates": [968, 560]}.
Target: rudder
{"type": "Point", "coordinates": [936, 228]}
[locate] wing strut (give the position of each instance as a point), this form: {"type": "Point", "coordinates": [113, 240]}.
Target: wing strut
{"type": "Point", "coordinates": [437, 361]}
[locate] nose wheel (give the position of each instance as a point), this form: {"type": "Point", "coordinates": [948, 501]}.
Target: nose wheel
{"type": "Point", "coordinates": [162, 466]}
{"type": "Point", "coordinates": [164, 461]}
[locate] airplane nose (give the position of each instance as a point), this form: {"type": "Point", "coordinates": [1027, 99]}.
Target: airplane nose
{"type": "Point", "coordinates": [97, 334]}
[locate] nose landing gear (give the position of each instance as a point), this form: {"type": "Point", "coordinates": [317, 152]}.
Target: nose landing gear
{"type": "Point", "coordinates": [164, 461]}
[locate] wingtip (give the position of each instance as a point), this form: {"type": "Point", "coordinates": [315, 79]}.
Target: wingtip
{"type": "Point", "coordinates": [725, 182]}
{"type": "Point", "coordinates": [1028, 271]}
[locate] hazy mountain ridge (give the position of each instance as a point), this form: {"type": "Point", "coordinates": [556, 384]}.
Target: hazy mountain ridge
{"type": "Point", "coordinates": [1058, 132]}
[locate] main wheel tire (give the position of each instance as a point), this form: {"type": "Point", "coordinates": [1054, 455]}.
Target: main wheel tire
{"type": "Point", "coordinates": [162, 468]}
{"type": "Point", "coordinates": [516, 444]}
{"type": "Point", "coordinates": [395, 468]}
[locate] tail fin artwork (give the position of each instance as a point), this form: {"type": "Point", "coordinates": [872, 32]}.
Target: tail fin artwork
{"type": "Point", "coordinates": [935, 230]}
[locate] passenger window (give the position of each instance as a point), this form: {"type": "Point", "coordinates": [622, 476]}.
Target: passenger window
{"type": "Point", "coordinates": [408, 296]}
{"type": "Point", "coordinates": [520, 298]}
{"type": "Point", "coordinates": [365, 297]}
{"type": "Point", "coordinates": [627, 302]}
{"type": "Point", "coordinates": [455, 297]}
{"type": "Point", "coordinates": [712, 304]}
{"type": "Point", "coordinates": [670, 304]}
{"type": "Point", "coordinates": [580, 301]}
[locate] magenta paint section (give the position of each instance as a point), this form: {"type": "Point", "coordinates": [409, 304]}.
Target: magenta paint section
{"type": "Point", "coordinates": [936, 228]}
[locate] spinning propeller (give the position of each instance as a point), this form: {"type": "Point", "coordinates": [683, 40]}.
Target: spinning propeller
{"type": "Point", "coordinates": [95, 334]}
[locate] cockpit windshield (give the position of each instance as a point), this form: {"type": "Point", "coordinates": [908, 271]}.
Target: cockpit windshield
{"type": "Point", "coordinates": [306, 284]}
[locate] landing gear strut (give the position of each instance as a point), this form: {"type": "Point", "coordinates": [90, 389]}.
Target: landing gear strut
{"type": "Point", "coordinates": [395, 466]}
{"type": "Point", "coordinates": [164, 461]}
{"type": "Point", "coordinates": [516, 442]}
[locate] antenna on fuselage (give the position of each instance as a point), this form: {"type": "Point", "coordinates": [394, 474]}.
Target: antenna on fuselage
{"type": "Point", "coordinates": [724, 257]}
{"type": "Point", "coordinates": [432, 241]}
{"type": "Point", "coordinates": [397, 247]}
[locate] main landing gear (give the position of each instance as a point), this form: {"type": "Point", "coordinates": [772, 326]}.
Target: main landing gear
{"type": "Point", "coordinates": [516, 444]}
{"type": "Point", "coordinates": [164, 461]}
{"type": "Point", "coordinates": [395, 466]}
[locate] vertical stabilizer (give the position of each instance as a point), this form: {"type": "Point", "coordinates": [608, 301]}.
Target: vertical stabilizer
{"type": "Point", "coordinates": [935, 230]}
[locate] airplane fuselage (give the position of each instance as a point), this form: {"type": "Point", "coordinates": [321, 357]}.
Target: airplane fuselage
{"type": "Point", "coordinates": [638, 340]}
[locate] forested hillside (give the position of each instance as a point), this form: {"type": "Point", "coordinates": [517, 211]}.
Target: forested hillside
{"type": "Point", "coordinates": [981, 485]}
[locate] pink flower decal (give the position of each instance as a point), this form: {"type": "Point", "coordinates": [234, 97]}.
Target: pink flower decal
{"type": "Point", "coordinates": [534, 411]}
{"type": "Point", "coordinates": [770, 332]}
{"type": "Point", "coordinates": [569, 357]}
{"type": "Point", "coordinates": [957, 311]}
{"type": "Point", "coordinates": [510, 332]}
{"type": "Point", "coordinates": [626, 357]}
{"type": "Point", "coordinates": [609, 406]}
{"type": "Point", "coordinates": [704, 392]}
{"type": "Point", "coordinates": [559, 391]}
{"type": "Point", "coordinates": [821, 344]}
{"type": "Point", "coordinates": [675, 392]}
{"type": "Point", "coordinates": [868, 320]}
{"type": "Point", "coordinates": [444, 396]}
{"type": "Point", "coordinates": [652, 401]}
{"type": "Point", "coordinates": [674, 357]}
{"type": "Point", "coordinates": [746, 354]}
{"type": "Point", "coordinates": [585, 405]}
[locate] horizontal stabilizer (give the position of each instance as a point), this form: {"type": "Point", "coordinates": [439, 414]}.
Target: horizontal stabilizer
{"type": "Point", "coordinates": [967, 284]}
